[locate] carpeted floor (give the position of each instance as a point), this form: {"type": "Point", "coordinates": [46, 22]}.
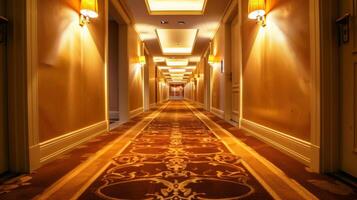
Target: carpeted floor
{"type": "Point", "coordinates": [175, 153]}
{"type": "Point", "coordinates": [176, 157]}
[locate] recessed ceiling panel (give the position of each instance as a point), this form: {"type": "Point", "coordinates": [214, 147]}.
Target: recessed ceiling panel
{"type": "Point", "coordinates": [181, 7]}
{"type": "Point", "coordinates": [177, 41]}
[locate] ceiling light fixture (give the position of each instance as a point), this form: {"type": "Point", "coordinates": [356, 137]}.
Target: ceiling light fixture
{"type": "Point", "coordinates": [176, 70]}
{"type": "Point", "coordinates": [169, 7]}
{"type": "Point", "coordinates": [176, 62]}
{"type": "Point", "coordinates": [177, 41]}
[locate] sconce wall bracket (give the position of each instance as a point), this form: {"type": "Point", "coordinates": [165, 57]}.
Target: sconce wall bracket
{"type": "Point", "coordinates": [261, 20]}
{"type": "Point", "coordinates": [84, 20]}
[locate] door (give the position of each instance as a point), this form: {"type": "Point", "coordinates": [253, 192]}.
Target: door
{"type": "Point", "coordinates": [235, 69]}
{"type": "Point", "coordinates": [3, 93]}
{"type": "Point", "coordinates": [113, 71]}
{"type": "Point", "coordinates": [348, 84]}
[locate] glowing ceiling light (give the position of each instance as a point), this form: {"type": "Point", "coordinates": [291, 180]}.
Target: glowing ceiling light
{"type": "Point", "coordinates": [177, 75]}
{"type": "Point", "coordinates": [177, 62]}
{"type": "Point", "coordinates": [163, 67]}
{"type": "Point", "coordinates": [177, 41]}
{"type": "Point", "coordinates": [195, 59]}
{"type": "Point", "coordinates": [159, 59]}
{"type": "Point", "coordinates": [177, 70]}
{"type": "Point", "coordinates": [169, 7]}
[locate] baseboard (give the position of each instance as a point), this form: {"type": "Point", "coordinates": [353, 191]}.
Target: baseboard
{"type": "Point", "coordinates": [153, 105]}
{"type": "Point", "coordinates": [115, 125]}
{"type": "Point", "coordinates": [51, 149]}
{"type": "Point", "coordinates": [114, 114]}
{"type": "Point", "coordinates": [296, 148]}
{"type": "Point", "coordinates": [217, 112]}
{"type": "Point", "coordinates": [136, 112]}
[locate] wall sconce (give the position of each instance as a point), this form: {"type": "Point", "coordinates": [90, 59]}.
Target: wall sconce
{"type": "Point", "coordinates": [256, 11]}
{"type": "Point", "coordinates": [212, 59]}
{"type": "Point", "coordinates": [142, 60]}
{"type": "Point", "coordinates": [89, 10]}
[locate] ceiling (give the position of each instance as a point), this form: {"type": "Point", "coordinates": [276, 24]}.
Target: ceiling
{"type": "Point", "coordinates": [171, 30]}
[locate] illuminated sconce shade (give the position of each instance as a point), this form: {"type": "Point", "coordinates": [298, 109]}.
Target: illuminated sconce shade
{"type": "Point", "coordinates": [212, 59]}
{"type": "Point", "coordinates": [142, 60]}
{"type": "Point", "coordinates": [89, 10]}
{"type": "Point", "coordinates": [256, 11]}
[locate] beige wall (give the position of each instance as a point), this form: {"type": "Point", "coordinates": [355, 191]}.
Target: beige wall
{"type": "Point", "coordinates": [152, 80]}
{"type": "Point", "coordinates": [71, 68]}
{"type": "Point", "coordinates": [135, 70]}
{"type": "Point", "coordinates": [217, 78]}
{"type": "Point", "coordinates": [200, 82]}
{"type": "Point", "coordinates": [276, 68]}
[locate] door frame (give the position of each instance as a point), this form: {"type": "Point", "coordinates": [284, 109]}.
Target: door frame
{"type": "Point", "coordinates": [330, 90]}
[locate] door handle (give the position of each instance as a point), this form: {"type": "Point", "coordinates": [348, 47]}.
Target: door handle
{"type": "Point", "coordinates": [3, 29]}
{"type": "Point", "coordinates": [343, 24]}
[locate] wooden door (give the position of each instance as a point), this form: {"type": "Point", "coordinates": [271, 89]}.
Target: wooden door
{"type": "Point", "coordinates": [348, 84]}
{"type": "Point", "coordinates": [235, 69]}
{"type": "Point", "coordinates": [3, 93]}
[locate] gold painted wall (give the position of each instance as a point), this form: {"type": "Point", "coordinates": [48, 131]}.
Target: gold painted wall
{"type": "Point", "coordinates": [71, 68]}
{"type": "Point", "coordinates": [135, 70]}
{"type": "Point", "coordinates": [217, 78]}
{"type": "Point", "coordinates": [276, 68]}
{"type": "Point", "coordinates": [200, 83]}
{"type": "Point", "coordinates": [152, 80]}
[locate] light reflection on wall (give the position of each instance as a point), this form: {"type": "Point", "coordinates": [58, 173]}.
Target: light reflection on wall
{"type": "Point", "coordinates": [277, 69]}
{"type": "Point", "coordinates": [71, 69]}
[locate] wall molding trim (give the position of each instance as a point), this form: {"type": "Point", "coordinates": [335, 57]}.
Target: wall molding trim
{"type": "Point", "coordinates": [136, 112]}
{"type": "Point", "coordinates": [219, 113]}
{"type": "Point", "coordinates": [296, 148]}
{"type": "Point", "coordinates": [51, 149]}
{"type": "Point", "coordinates": [153, 105]}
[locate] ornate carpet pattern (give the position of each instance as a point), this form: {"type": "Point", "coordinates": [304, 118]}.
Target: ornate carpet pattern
{"type": "Point", "coordinates": [176, 157]}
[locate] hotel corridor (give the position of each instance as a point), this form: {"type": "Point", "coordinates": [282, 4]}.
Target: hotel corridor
{"type": "Point", "coordinates": [176, 151]}
{"type": "Point", "coordinates": [178, 99]}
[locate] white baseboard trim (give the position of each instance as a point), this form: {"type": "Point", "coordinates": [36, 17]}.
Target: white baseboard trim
{"type": "Point", "coordinates": [136, 112]}
{"type": "Point", "coordinates": [219, 113]}
{"type": "Point", "coordinates": [114, 114]}
{"type": "Point", "coordinates": [51, 149]}
{"type": "Point", "coordinates": [296, 148]}
{"type": "Point", "coordinates": [115, 125]}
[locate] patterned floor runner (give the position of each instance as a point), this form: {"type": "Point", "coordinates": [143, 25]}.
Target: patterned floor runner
{"type": "Point", "coordinates": [176, 157]}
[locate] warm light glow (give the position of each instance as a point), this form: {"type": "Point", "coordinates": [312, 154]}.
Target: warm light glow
{"type": "Point", "coordinates": [177, 75]}
{"type": "Point", "coordinates": [256, 9]}
{"type": "Point", "coordinates": [177, 62]}
{"type": "Point", "coordinates": [212, 59]}
{"type": "Point", "coordinates": [142, 60]}
{"type": "Point", "coordinates": [177, 41]}
{"type": "Point", "coordinates": [195, 59]}
{"type": "Point", "coordinates": [159, 59]}
{"type": "Point", "coordinates": [177, 70]}
{"type": "Point", "coordinates": [193, 7]}
{"type": "Point", "coordinates": [163, 67]}
{"type": "Point", "coordinates": [89, 8]}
